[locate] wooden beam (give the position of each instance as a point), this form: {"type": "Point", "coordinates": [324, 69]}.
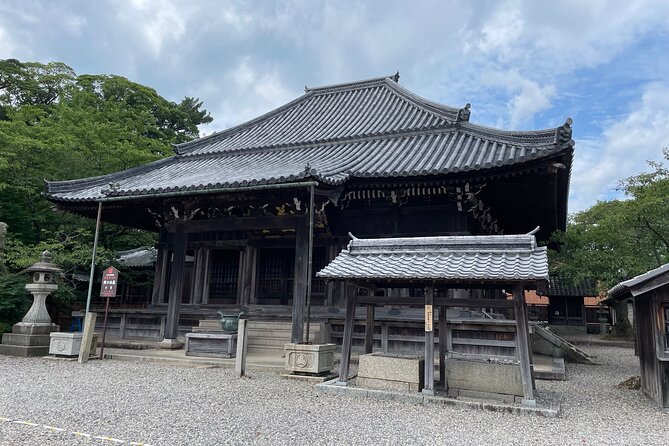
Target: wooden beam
{"type": "Point", "coordinates": [443, 350]}
{"type": "Point", "coordinates": [369, 330]}
{"type": "Point", "coordinates": [428, 386]}
{"type": "Point", "coordinates": [300, 282]}
{"type": "Point", "coordinates": [176, 283]}
{"type": "Point", "coordinates": [347, 340]}
{"type": "Point", "coordinates": [522, 346]}
{"type": "Point", "coordinates": [439, 301]}
{"type": "Point", "coordinates": [240, 223]}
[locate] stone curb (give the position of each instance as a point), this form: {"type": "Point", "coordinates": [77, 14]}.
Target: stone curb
{"type": "Point", "coordinates": [188, 362]}
{"type": "Point", "coordinates": [411, 398]}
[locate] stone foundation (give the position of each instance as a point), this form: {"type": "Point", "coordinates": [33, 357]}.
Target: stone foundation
{"type": "Point", "coordinates": [28, 339]}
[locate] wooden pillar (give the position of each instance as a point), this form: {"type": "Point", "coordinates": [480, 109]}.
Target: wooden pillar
{"type": "Point", "coordinates": [239, 299]}
{"type": "Point", "coordinates": [248, 276]}
{"type": "Point", "coordinates": [369, 330]}
{"type": "Point", "coordinates": [198, 276]}
{"type": "Point", "coordinates": [428, 386]}
{"type": "Point", "coordinates": [443, 348]}
{"type": "Point", "coordinates": [160, 277]}
{"type": "Point", "coordinates": [384, 337]}
{"type": "Point", "coordinates": [347, 340]}
{"type": "Point", "coordinates": [205, 275]}
{"type": "Point", "coordinates": [176, 288]}
{"type": "Point", "coordinates": [522, 346]}
{"type": "Point", "coordinates": [300, 283]}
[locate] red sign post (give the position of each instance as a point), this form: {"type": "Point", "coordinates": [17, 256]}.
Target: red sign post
{"type": "Point", "coordinates": [108, 290]}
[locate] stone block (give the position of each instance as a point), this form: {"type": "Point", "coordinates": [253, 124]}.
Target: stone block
{"type": "Point", "coordinates": [69, 344]}
{"type": "Point", "coordinates": [25, 340]}
{"type": "Point", "coordinates": [34, 329]}
{"type": "Point", "coordinates": [484, 377]}
{"type": "Point", "coordinates": [219, 345]}
{"type": "Point", "coordinates": [23, 351]}
{"type": "Point", "coordinates": [309, 358]}
{"type": "Point", "coordinates": [404, 373]}
{"type": "Point", "coordinates": [384, 384]}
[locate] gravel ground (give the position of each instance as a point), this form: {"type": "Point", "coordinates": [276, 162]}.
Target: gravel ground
{"type": "Point", "coordinates": [168, 405]}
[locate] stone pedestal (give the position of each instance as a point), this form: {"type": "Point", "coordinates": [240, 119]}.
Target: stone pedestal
{"type": "Point", "coordinates": [69, 344]}
{"type": "Point", "coordinates": [314, 359]}
{"type": "Point", "coordinates": [28, 339]}
{"type": "Point", "coordinates": [400, 373]}
{"type": "Point", "coordinates": [219, 345]}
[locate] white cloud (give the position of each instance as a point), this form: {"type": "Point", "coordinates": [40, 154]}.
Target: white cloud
{"type": "Point", "coordinates": [7, 47]}
{"type": "Point", "coordinates": [160, 22]}
{"type": "Point", "coordinates": [623, 148]}
{"type": "Point", "coordinates": [252, 89]}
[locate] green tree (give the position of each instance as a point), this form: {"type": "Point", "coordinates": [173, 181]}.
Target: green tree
{"type": "Point", "coordinates": [616, 240]}
{"type": "Point", "coordinates": [57, 125]}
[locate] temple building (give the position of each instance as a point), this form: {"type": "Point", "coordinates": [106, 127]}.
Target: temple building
{"type": "Point", "coordinates": [370, 158]}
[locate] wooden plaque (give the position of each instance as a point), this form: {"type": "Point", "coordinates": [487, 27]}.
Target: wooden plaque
{"type": "Point", "coordinates": [428, 317]}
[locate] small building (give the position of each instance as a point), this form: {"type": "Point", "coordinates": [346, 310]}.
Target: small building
{"type": "Point", "coordinates": [572, 305]}
{"type": "Point", "coordinates": [650, 294]}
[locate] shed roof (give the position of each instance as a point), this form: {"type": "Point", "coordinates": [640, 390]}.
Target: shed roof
{"type": "Point", "coordinates": [642, 283]}
{"type": "Point", "coordinates": [563, 286]}
{"type": "Point", "coordinates": [493, 258]}
{"type": "Point", "coordinates": [364, 129]}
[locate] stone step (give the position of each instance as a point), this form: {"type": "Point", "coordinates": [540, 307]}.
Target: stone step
{"type": "Point", "coordinates": [26, 340]}
{"type": "Point", "coordinates": [23, 351]}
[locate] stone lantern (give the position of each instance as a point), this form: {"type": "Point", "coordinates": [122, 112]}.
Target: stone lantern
{"type": "Point", "coordinates": [31, 336]}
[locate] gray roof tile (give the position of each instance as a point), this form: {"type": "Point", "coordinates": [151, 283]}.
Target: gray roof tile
{"type": "Point", "coordinates": [461, 258]}
{"type": "Point", "coordinates": [363, 129]}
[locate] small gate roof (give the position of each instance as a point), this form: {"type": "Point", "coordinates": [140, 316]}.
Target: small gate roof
{"type": "Point", "coordinates": [451, 259]}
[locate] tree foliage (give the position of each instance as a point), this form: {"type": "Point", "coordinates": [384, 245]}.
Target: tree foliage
{"type": "Point", "coordinates": [616, 240]}
{"type": "Point", "coordinates": [57, 125]}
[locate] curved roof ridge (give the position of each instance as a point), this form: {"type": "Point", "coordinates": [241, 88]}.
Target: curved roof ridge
{"type": "Point", "coordinates": [188, 146]}
{"type": "Point", "coordinates": [353, 84]}
{"type": "Point", "coordinates": [423, 102]}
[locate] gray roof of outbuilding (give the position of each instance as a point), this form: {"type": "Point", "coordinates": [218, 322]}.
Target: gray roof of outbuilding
{"type": "Point", "coordinates": [495, 258]}
{"type": "Point", "coordinates": [625, 289]}
{"type": "Point", "coordinates": [372, 128]}
{"type": "Point", "coordinates": [564, 286]}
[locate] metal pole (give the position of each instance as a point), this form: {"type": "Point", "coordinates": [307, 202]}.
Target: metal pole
{"type": "Point", "coordinates": [95, 248]}
{"type": "Point", "coordinates": [104, 331]}
{"type": "Point", "coordinates": [311, 249]}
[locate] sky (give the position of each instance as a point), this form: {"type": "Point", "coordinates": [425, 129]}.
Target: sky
{"type": "Point", "coordinates": [521, 64]}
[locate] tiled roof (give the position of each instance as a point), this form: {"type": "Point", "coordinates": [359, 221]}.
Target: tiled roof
{"type": "Point", "coordinates": [455, 258]}
{"type": "Point", "coordinates": [561, 286]}
{"type": "Point", "coordinates": [625, 289]}
{"type": "Point", "coordinates": [138, 257]}
{"type": "Point", "coordinates": [372, 128]}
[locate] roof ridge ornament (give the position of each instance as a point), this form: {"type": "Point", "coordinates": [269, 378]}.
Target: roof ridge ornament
{"type": "Point", "coordinates": [564, 132]}
{"type": "Point", "coordinates": [464, 113]}
{"type": "Point", "coordinates": [396, 77]}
